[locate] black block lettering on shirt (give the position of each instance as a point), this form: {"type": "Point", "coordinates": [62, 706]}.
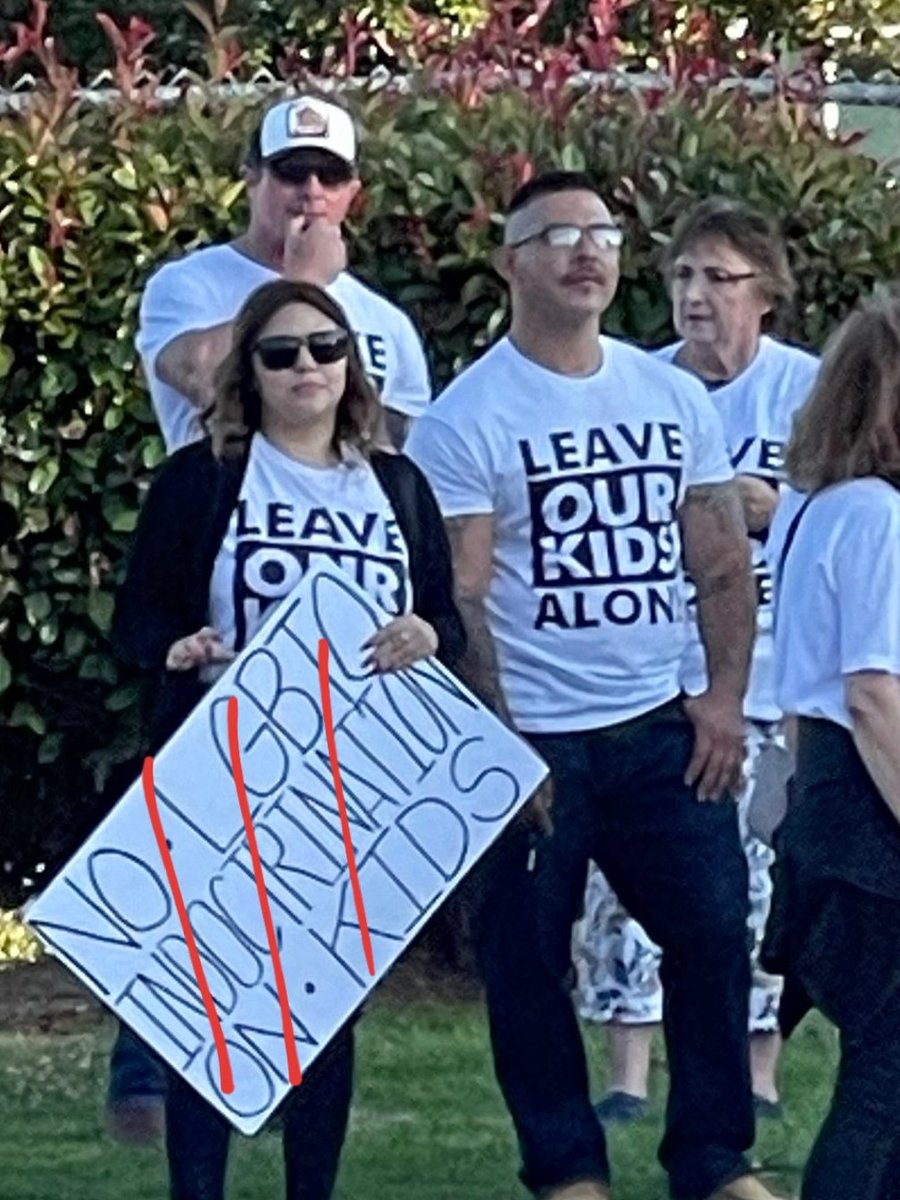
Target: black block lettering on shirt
{"type": "Point", "coordinates": [605, 543]}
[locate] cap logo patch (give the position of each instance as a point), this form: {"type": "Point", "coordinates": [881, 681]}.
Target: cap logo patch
{"type": "Point", "coordinates": [303, 121]}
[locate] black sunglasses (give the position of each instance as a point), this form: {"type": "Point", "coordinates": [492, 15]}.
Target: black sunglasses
{"type": "Point", "coordinates": [281, 352]}
{"type": "Point", "coordinates": [297, 168]}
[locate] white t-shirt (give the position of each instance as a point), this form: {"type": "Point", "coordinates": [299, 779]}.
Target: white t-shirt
{"type": "Point", "coordinates": [584, 477]}
{"type": "Point", "coordinates": [757, 409]}
{"type": "Point", "coordinates": [838, 599]}
{"type": "Point", "coordinates": [209, 287]}
{"type": "Point", "coordinates": [290, 516]}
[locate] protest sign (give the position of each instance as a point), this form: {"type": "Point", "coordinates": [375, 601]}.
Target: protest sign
{"type": "Point", "coordinates": [430, 778]}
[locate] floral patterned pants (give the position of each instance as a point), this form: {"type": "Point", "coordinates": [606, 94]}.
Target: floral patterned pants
{"type": "Point", "coordinates": [618, 965]}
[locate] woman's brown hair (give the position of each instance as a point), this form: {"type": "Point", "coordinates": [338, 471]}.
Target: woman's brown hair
{"type": "Point", "coordinates": [850, 425]}
{"type": "Point", "coordinates": [749, 232]}
{"type": "Point", "coordinates": [236, 411]}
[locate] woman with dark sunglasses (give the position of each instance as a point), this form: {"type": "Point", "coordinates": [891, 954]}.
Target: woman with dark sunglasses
{"type": "Point", "coordinates": [289, 476]}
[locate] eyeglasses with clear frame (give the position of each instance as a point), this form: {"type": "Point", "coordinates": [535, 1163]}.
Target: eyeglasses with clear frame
{"type": "Point", "coordinates": [713, 276]}
{"type": "Point", "coordinates": [563, 236]}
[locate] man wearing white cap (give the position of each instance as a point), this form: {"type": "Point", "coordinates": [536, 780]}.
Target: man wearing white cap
{"type": "Point", "coordinates": [300, 170]}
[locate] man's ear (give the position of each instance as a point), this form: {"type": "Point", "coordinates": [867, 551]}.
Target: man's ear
{"type": "Point", "coordinates": [503, 262]}
{"type": "Point", "coordinates": [251, 175]}
{"type": "Point", "coordinates": [357, 205]}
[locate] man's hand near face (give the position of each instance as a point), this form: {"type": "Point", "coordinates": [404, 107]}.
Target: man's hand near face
{"type": "Point", "coordinates": [314, 250]}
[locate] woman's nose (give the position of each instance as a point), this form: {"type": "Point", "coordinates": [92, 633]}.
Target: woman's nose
{"type": "Point", "coordinates": [692, 288]}
{"type": "Point", "coordinates": [304, 360]}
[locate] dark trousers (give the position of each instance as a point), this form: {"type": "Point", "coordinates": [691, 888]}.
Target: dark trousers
{"type": "Point", "coordinates": [677, 866]}
{"type": "Point", "coordinates": [314, 1122]}
{"type": "Point", "coordinates": [136, 1075]}
{"type": "Point", "coordinates": [835, 931]}
{"type": "Point", "coordinates": [857, 1152]}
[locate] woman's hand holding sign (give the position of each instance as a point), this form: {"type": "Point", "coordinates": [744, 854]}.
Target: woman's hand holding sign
{"type": "Point", "coordinates": [400, 643]}
{"type": "Point", "coordinates": [197, 650]}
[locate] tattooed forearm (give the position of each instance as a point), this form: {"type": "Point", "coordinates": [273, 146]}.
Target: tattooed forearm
{"type": "Point", "coordinates": [717, 556]}
{"type": "Point", "coordinates": [471, 540]}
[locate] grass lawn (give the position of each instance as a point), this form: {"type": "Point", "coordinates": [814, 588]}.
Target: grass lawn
{"type": "Point", "coordinates": [428, 1123]}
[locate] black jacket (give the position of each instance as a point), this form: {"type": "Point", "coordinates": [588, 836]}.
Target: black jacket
{"type": "Point", "coordinates": [165, 595]}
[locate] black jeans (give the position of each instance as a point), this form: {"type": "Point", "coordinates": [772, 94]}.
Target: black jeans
{"type": "Point", "coordinates": [314, 1121]}
{"type": "Point", "coordinates": [835, 931]}
{"type": "Point", "coordinates": [677, 866]}
{"type": "Point", "coordinates": [857, 1152]}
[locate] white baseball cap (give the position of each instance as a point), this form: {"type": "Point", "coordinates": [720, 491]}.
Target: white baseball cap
{"type": "Point", "coordinates": [307, 123]}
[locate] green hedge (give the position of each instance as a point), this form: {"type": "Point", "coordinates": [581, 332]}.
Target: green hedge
{"type": "Point", "coordinates": [849, 32]}
{"type": "Point", "coordinates": [92, 199]}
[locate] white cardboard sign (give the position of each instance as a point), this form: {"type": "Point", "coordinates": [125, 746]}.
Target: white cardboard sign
{"type": "Point", "coordinates": [430, 778]}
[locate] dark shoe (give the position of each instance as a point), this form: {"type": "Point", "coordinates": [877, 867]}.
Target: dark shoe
{"type": "Point", "coordinates": [620, 1108]}
{"type": "Point", "coordinates": [767, 1110]}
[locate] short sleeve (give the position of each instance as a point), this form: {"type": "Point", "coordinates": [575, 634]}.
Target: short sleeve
{"type": "Point", "coordinates": [408, 390]}
{"type": "Point", "coordinates": [706, 459]}
{"type": "Point", "coordinates": [461, 482]}
{"type": "Point", "coordinates": [867, 582]}
{"type": "Point", "coordinates": [175, 301]}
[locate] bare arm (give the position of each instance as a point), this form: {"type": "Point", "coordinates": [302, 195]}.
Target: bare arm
{"type": "Point", "coordinates": [188, 363]}
{"type": "Point", "coordinates": [472, 547]}
{"type": "Point", "coordinates": [717, 555]}
{"type": "Point", "coordinates": [397, 425]}
{"type": "Point", "coordinates": [874, 701]}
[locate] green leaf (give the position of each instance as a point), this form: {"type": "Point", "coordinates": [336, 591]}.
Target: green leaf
{"type": "Point", "coordinates": [100, 607]}
{"type": "Point", "coordinates": [50, 749]}
{"type": "Point", "coordinates": [26, 716]}
{"type": "Point", "coordinates": [40, 263]}
{"type": "Point", "coordinates": [37, 607]}
{"type": "Point", "coordinates": [572, 158]}
{"type": "Point", "coordinates": [99, 668]}
{"type": "Point", "coordinates": [153, 453]}
{"type": "Point", "coordinates": [5, 673]}
{"type": "Point", "coordinates": [123, 698]}
{"type": "Point", "coordinates": [43, 477]}
{"type": "Point", "coordinates": [125, 177]}
{"type": "Point", "coordinates": [119, 516]}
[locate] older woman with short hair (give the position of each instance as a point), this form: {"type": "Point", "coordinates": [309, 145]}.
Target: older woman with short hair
{"type": "Point", "coordinates": [728, 275]}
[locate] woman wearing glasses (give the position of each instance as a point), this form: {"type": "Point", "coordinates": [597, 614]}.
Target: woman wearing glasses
{"type": "Point", "coordinates": [289, 476]}
{"type": "Point", "coordinates": [728, 275]}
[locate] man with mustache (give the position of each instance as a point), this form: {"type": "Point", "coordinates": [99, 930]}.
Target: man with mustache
{"type": "Point", "coordinates": [300, 171]}
{"type": "Point", "coordinates": [573, 470]}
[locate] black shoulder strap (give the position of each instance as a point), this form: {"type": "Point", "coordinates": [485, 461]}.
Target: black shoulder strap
{"type": "Point", "coordinates": [397, 478]}
{"type": "Point", "coordinates": [398, 482]}
{"type": "Point", "coordinates": [224, 494]}
{"type": "Point", "coordinates": [789, 539]}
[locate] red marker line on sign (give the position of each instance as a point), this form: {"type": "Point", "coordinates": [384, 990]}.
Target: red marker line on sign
{"type": "Point", "coordinates": [237, 770]}
{"type": "Point", "coordinates": [226, 1076]}
{"type": "Point", "coordinates": [325, 689]}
